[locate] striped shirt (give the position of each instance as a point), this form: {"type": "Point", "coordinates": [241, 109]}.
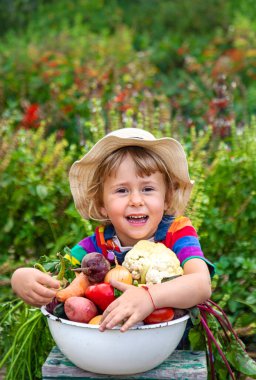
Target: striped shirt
{"type": "Point", "coordinates": [176, 233]}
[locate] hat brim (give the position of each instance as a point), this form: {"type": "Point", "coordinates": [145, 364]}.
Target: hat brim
{"type": "Point", "coordinates": [168, 149]}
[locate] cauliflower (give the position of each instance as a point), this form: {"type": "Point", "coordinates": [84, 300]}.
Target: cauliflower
{"type": "Point", "coordinates": [150, 262]}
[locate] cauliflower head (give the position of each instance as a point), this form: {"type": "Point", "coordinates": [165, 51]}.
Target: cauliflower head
{"type": "Point", "coordinates": [150, 262]}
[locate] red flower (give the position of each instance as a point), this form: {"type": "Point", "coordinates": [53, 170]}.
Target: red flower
{"type": "Point", "coordinates": [125, 107]}
{"type": "Point", "coordinates": [119, 98]}
{"type": "Point", "coordinates": [31, 116]}
{"type": "Point", "coordinates": [67, 108]}
{"type": "Point", "coordinates": [182, 50]}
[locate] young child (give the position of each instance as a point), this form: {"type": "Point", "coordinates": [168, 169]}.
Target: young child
{"type": "Point", "coordinates": [137, 186]}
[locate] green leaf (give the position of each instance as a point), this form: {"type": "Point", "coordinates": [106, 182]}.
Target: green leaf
{"type": "Point", "coordinates": [42, 191]}
{"type": "Point", "coordinates": [9, 225]}
{"type": "Point", "coordinates": [67, 251]}
{"type": "Point", "coordinates": [249, 305]}
{"type": "Point", "coordinates": [165, 279]}
{"type": "Point", "coordinates": [240, 360]}
{"type": "Point", "coordinates": [195, 316]}
{"type": "Point", "coordinates": [196, 338]}
{"type": "Point", "coordinates": [117, 292]}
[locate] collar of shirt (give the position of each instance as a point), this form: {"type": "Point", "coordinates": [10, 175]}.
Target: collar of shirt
{"type": "Point", "coordinates": [125, 249]}
{"type": "Point", "coordinates": [160, 235]}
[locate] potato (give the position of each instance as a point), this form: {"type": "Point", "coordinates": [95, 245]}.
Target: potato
{"type": "Point", "coordinates": [96, 320]}
{"type": "Point", "coordinates": [80, 309]}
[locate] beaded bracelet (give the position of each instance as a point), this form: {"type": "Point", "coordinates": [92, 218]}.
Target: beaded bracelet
{"type": "Point", "coordinates": [147, 289]}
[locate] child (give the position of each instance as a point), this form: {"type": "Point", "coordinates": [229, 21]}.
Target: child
{"type": "Point", "coordinates": [137, 187]}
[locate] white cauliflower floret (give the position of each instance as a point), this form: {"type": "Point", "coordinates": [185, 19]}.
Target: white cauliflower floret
{"type": "Point", "coordinates": [163, 265]}
{"type": "Point", "coordinates": [153, 276]}
{"type": "Point", "coordinates": [135, 262]}
{"type": "Point", "coordinates": [150, 262]}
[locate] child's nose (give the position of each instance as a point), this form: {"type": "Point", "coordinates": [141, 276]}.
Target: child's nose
{"type": "Point", "coordinates": [136, 199]}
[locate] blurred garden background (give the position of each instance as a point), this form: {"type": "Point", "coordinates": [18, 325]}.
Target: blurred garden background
{"type": "Point", "coordinates": [70, 71]}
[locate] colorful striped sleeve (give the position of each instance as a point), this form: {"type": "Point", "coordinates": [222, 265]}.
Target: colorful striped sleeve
{"type": "Point", "coordinates": [183, 240]}
{"type": "Point", "coordinates": [85, 246]}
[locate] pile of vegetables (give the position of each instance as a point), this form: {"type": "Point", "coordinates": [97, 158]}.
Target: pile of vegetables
{"type": "Point", "coordinates": [90, 293]}
{"type": "Point", "coordinates": [86, 292]}
{"type": "Point", "coordinates": [86, 297]}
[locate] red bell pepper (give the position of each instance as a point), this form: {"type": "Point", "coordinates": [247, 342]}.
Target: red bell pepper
{"type": "Point", "coordinates": [164, 314]}
{"type": "Point", "coordinates": [101, 294]}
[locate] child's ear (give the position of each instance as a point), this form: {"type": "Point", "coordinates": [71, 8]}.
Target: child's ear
{"type": "Point", "coordinates": [104, 212]}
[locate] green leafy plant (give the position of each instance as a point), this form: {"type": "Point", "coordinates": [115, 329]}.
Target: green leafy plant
{"type": "Point", "coordinates": [228, 229]}
{"type": "Point", "coordinates": [37, 215]}
{"type": "Point", "coordinates": [60, 62]}
{"type": "Point", "coordinates": [224, 348]}
{"type": "Point", "coordinates": [26, 339]}
{"type": "Point", "coordinates": [25, 342]}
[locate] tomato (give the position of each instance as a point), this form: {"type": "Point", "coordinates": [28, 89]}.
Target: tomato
{"type": "Point", "coordinates": [164, 314]}
{"type": "Point", "coordinates": [101, 294]}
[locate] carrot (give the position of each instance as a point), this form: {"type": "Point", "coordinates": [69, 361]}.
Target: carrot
{"type": "Point", "coordinates": [77, 288]}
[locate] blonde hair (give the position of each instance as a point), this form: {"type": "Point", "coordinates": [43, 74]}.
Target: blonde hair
{"type": "Point", "coordinates": [146, 162]}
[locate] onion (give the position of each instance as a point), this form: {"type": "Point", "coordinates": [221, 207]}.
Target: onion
{"type": "Point", "coordinates": [119, 273]}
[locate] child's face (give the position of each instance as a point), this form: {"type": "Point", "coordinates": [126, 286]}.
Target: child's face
{"type": "Point", "coordinates": [135, 205]}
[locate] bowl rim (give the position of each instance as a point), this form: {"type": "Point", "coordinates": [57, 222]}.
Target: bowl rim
{"type": "Point", "coordinates": [91, 326]}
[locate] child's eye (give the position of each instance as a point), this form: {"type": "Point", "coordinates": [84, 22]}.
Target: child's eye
{"type": "Point", "coordinates": [148, 189]}
{"type": "Point", "coordinates": [121, 190]}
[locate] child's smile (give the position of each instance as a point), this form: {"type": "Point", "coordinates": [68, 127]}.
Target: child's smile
{"type": "Point", "coordinates": [137, 219]}
{"type": "Point", "coordinates": [135, 205]}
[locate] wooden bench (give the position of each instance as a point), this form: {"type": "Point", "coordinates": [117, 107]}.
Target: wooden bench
{"type": "Point", "coordinates": [181, 365]}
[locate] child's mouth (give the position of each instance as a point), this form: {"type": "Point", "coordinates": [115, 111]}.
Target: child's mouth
{"type": "Point", "coordinates": [137, 219]}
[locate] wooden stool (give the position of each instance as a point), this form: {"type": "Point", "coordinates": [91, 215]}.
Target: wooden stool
{"type": "Point", "coordinates": [181, 365]}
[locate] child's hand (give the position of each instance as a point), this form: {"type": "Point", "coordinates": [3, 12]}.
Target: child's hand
{"type": "Point", "coordinates": [132, 306]}
{"type": "Point", "coordinates": [33, 286]}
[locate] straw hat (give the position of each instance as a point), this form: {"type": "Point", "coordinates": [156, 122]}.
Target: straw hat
{"type": "Point", "coordinates": [168, 149]}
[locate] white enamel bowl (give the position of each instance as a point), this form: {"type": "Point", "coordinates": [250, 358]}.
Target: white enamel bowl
{"type": "Point", "coordinates": [111, 352]}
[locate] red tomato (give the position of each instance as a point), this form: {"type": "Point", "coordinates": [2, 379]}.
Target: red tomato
{"type": "Point", "coordinates": [101, 294]}
{"type": "Point", "coordinates": [164, 314]}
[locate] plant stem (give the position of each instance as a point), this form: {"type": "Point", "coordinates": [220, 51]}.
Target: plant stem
{"type": "Point", "coordinates": [211, 336]}
{"type": "Point", "coordinates": [17, 355]}
{"type": "Point", "coordinates": [20, 331]}
{"type": "Point", "coordinates": [227, 320]}
{"type": "Point", "coordinates": [40, 267]}
{"type": "Point", "coordinates": [218, 317]}
{"type": "Point", "coordinates": [210, 353]}
{"type": "Point", "coordinates": [61, 273]}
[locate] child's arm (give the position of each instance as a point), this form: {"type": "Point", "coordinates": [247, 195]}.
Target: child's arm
{"type": "Point", "coordinates": [185, 291]}
{"type": "Point", "coordinates": [182, 292]}
{"type": "Point", "coordinates": [33, 286]}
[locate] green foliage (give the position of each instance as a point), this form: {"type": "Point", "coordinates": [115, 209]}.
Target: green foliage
{"type": "Point", "coordinates": [232, 200]}
{"type": "Point", "coordinates": [56, 75]}
{"type": "Point", "coordinates": [41, 182]}
{"type": "Point", "coordinates": [37, 214]}
{"type": "Point", "coordinates": [212, 332]}
{"type": "Point", "coordinates": [125, 53]}
{"type": "Point", "coordinates": [26, 340]}
{"type": "Point", "coordinates": [235, 288]}
{"type": "Point", "coordinates": [197, 161]}
{"type": "Point", "coordinates": [103, 14]}
{"type": "Point", "coordinates": [228, 228]}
